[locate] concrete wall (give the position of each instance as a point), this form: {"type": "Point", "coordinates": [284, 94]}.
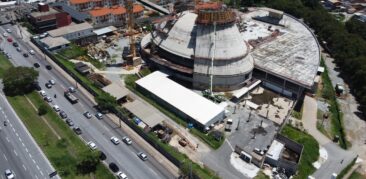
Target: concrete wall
{"type": "Point", "coordinates": [220, 83]}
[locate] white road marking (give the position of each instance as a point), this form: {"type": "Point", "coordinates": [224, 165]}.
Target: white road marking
{"type": "Point", "coordinates": [24, 168]}
{"type": "Point", "coordinates": [15, 153]}
{"type": "Point", "coordinates": [33, 161]}
{"type": "Point", "coordinates": [13, 129]}
{"type": "Point", "coordinates": [11, 125]}
{"type": "Point", "coordinates": [17, 134]}
{"type": "Point", "coordinates": [26, 149]}
{"type": "Point", "coordinates": [232, 148]}
{"type": "Point", "coordinates": [5, 116]}
{"type": "Point", "coordinates": [20, 139]}
{"type": "Point", "coordinates": [37, 167]}
{"type": "Point", "coordinates": [5, 157]}
{"type": "Point", "coordinates": [36, 177]}
{"type": "Point", "coordinates": [41, 173]}
{"type": "Point", "coordinates": [22, 143]}
{"type": "Point", "coordinates": [7, 139]}
{"type": "Point", "coordinates": [30, 155]}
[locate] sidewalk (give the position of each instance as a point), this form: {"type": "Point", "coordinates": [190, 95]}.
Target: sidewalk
{"type": "Point", "coordinates": [137, 139]}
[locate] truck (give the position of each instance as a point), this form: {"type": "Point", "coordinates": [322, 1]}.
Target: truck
{"type": "Point", "coordinates": [71, 97]}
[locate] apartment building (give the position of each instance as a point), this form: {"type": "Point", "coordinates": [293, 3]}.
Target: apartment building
{"type": "Point", "coordinates": [85, 5]}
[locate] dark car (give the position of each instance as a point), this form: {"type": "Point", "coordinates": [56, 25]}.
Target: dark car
{"type": "Point", "coordinates": [25, 55]}
{"type": "Point", "coordinates": [63, 114]}
{"type": "Point", "coordinates": [15, 44]}
{"type": "Point", "coordinates": [48, 85]}
{"type": "Point", "coordinates": [113, 167]}
{"type": "Point", "coordinates": [36, 65]}
{"type": "Point", "coordinates": [102, 156]}
{"type": "Point", "coordinates": [77, 130]}
{"type": "Point", "coordinates": [36, 86]}
{"type": "Point", "coordinates": [48, 67]}
{"type": "Point", "coordinates": [69, 122]}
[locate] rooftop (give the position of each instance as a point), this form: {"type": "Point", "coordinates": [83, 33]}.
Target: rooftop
{"type": "Point", "coordinates": [115, 10]}
{"type": "Point", "coordinates": [145, 113]}
{"type": "Point", "coordinates": [105, 30]}
{"type": "Point", "coordinates": [53, 42]}
{"type": "Point", "coordinates": [79, 16]}
{"type": "Point", "coordinates": [275, 150]}
{"type": "Point", "coordinates": [69, 29]}
{"type": "Point", "coordinates": [195, 106]}
{"type": "Point", "coordinates": [116, 90]}
{"type": "Point", "coordinates": [293, 54]}
{"type": "Point", "coordinates": [39, 14]}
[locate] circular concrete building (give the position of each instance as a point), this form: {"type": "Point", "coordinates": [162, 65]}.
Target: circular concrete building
{"type": "Point", "coordinates": [192, 45]}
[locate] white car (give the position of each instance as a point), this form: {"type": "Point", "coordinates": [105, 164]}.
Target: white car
{"type": "Point", "coordinates": [92, 145]}
{"type": "Point", "coordinates": [9, 174]}
{"type": "Point", "coordinates": [31, 52]}
{"type": "Point", "coordinates": [115, 140]}
{"type": "Point", "coordinates": [56, 108]}
{"type": "Point", "coordinates": [127, 140]}
{"type": "Point", "coordinates": [42, 93]}
{"type": "Point", "coordinates": [121, 175]}
{"type": "Point", "coordinates": [5, 34]}
{"type": "Point", "coordinates": [52, 82]}
{"type": "Point", "coordinates": [8, 30]}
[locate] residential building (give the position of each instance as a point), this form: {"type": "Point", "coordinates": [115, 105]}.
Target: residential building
{"type": "Point", "coordinates": [85, 5]}
{"type": "Point", "coordinates": [78, 33]}
{"type": "Point", "coordinates": [47, 18]}
{"type": "Point", "coordinates": [115, 15]}
{"type": "Point", "coordinates": [54, 44]}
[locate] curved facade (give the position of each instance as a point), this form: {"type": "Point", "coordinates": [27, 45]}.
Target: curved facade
{"type": "Point", "coordinates": [185, 46]}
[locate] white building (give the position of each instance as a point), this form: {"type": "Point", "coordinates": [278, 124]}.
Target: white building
{"type": "Point", "coordinates": [79, 33]}
{"type": "Point", "coordinates": [182, 101]}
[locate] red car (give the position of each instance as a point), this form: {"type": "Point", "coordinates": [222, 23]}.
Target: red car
{"type": "Point", "coordinates": [10, 39]}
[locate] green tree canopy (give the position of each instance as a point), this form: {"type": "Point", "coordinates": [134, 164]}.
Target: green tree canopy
{"type": "Point", "coordinates": [19, 80]}
{"type": "Point", "coordinates": [88, 162]}
{"type": "Point", "coordinates": [106, 101]}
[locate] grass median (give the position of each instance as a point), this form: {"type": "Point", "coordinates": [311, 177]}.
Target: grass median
{"type": "Point", "coordinates": [61, 146]}
{"type": "Point", "coordinates": [310, 152]}
{"type": "Point", "coordinates": [4, 64]}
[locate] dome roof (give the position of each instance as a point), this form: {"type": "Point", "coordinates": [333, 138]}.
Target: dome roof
{"type": "Point", "coordinates": [184, 37]}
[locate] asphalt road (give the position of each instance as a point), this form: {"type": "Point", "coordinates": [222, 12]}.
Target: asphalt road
{"type": "Point", "coordinates": [98, 131]}
{"type": "Point", "coordinates": [18, 151]}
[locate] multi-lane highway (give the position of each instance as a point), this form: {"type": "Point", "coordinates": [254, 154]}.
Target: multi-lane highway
{"type": "Point", "coordinates": [18, 150]}
{"type": "Point", "coordinates": [98, 131]}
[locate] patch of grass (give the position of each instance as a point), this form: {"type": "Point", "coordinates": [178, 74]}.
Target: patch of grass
{"type": "Point", "coordinates": [63, 153]}
{"type": "Point", "coordinates": [71, 67]}
{"type": "Point", "coordinates": [356, 175]}
{"type": "Point", "coordinates": [261, 175]}
{"type": "Point", "coordinates": [346, 169]}
{"type": "Point", "coordinates": [296, 114]}
{"type": "Point", "coordinates": [336, 116]}
{"type": "Point", "coordinates": [310, 152]}
{"type": "Point", "coordinates": [4, 64]}
{"type": "Point", "coordinates": [73, 51]}
{"type": "Point", "coordinates": [130, 84]}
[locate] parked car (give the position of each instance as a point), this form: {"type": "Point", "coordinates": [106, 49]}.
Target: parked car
{"type": "Point", "coordinates": [42, 93]}
{"type": "Point", "coordinates": [127, 140]}
{"type": "Point", "coordinates": [15, 44]}
{"type": "Point", "coordinates": [113, 167]}
{"type": "Point", "coordinates": [63, 114]}
{"type": "Point", "coordinates": [77, 130]}
{"type": "Point", "coordinates": [36, 65]}
{"type": "Point", "coordinates": [52, 82]}
{"type": "Point", "coordinates": [121, 175]}
{"type": "Point", "coordinates": [25, 55]}
{"type": "Point", "coordinates": [48, 67]}
{"type": "Point", "coordinates": [87, 114]}
{"type": "Point", "coordinates": [72, 89]}
{"type": "Point", "coordinates": [115, 140]}
{"type": "Point", "coordinates": [142, 156]}
{"type": "Point", "coordinates": [31, 52]}
{"type": "Point", "coordinates": [48, 85]}
{"type": "Point", "coordinates": [10, 39]}
{"type": "Point", "coordinates": [69, 122]}
{"type": "Point", "coordinates": [99, 115]}
{"type": "Point", "coordinates": [56, 108]}
{"type": "Point", "coordinates": [18, 49]}
{"type": "Point", "coordinates": [8, 30]}
{"type": "Point", "coordinates": [48, 99]}
{"type": "Point", "coordinates": [36, 86]}
{"type": "Point", "coordinates": [92, 145]}
{"type": "Point", "coordinates": [5, 34]}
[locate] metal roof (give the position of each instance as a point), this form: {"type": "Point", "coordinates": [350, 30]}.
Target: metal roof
{"type": "Point", "coordinates": [190, 103]}
{"type": "Point", "coordinates": [52, 42]}
{"type": "Point", "coordinates": [69, 29]}
{"type": "Point", "coordinates": [105, 30]}
{"type": "Point", "coordinates": [76, 15]}
{"type": "Point", "coordinates": [116, 90]}
{"type": "Point", "coordinates": [144, 112]}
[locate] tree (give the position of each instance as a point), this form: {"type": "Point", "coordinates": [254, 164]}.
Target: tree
{"type": "Point", "coordinates": [42, 109]}
{"type": "Point", "coordinates": [106, 101]}
{"type": "Point", "coordinates": [19, 80]}
{"type": "Point", "coordinates": [88, 162]}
